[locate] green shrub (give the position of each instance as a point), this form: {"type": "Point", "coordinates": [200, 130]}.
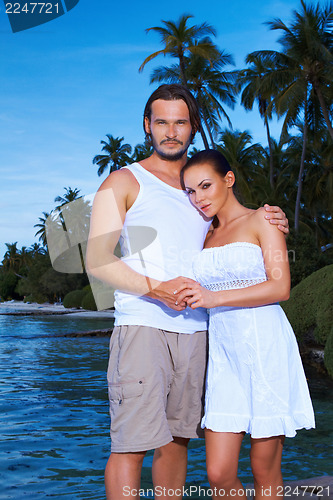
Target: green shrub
{"type": "Point", "coordinates": [74, 298]}
{"type": "Point", "coordinates": [88, 302]}
{"type": "Point", "coordinates": [328, 354]}
{"type": "Point", "coordinates": [310, 305]}
{"type": "Point", "coordinates": [304, 256]}
{"type": "Point", "coordinates": [8, 282]}
{"type": "Point", "coordinates": [35, 297]}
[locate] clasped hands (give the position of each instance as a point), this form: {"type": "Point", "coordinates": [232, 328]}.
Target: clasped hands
{"type": "Point", "coordinates": [180, 292]}
{"type": "Point", "coordinates": [195, 295]}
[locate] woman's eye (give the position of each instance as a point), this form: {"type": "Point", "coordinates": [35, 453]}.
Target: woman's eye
{"type": "Point", "coordinates": [205, 186]}
{"type": "Point", "coordinates": [190, 191]}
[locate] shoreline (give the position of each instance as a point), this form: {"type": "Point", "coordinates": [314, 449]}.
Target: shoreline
{"type": "Point", "coordinates": [21, 308]}
{"type": "Point", "coordinates": [312, 357]}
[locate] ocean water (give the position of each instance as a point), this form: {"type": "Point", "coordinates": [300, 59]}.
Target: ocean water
{"type": "Point", "coordinates": [54, 419]}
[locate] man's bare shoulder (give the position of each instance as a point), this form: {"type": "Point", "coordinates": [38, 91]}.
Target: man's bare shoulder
{"type": "Point", "coordinates": [122, 180]}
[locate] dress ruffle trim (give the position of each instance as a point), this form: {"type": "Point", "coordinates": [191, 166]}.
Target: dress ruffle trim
{"type": "Point", "coordinates": [258, 427]}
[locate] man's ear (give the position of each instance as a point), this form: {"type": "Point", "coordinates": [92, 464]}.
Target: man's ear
{"type": "Point", "coordinates": [147, 125]}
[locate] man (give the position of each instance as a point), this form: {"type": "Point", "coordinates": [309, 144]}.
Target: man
{"type": "Point", "coordinates": [157, 350]}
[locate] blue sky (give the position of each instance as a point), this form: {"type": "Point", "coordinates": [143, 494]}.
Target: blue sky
{"type": "Point", "coordinates": [67, 83]}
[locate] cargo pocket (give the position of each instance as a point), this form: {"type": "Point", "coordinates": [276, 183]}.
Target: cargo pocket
{"type": "Point", "coordinates": [118, 393]}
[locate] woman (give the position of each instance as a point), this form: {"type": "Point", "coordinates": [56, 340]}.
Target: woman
{"type": "Point", "coordinates": [255, 381]}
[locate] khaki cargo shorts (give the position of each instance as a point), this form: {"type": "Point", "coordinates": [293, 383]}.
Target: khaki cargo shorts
{"type": "Point", "coordinates": [156, 387]}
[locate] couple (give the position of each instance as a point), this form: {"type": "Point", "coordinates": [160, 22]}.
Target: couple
{"type": "Point", "coordinates": [157, 361]}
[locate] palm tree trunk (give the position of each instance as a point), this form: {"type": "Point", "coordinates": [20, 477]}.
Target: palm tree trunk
{"type": "Point", "coordinates": [271, 165]}
{"type": "Point", "coordinates": [202, 115]}
{"type": "Point", "coordinates": [209, 133]}
{"type": "Point", "coordinates": [204, 138]}
{"type": "Point", "coordinates": [323, 108]}
{"type": "Point", "coordinates": [301, 169]}
{"type": "Point", "coordinates": [182, 69]}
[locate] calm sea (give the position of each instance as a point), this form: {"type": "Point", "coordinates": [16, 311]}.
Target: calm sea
{"type": "Point", "coordinates": [55, 422]}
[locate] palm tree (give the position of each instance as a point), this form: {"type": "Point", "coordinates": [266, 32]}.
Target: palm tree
{"type": "Point", "coordinates": [41, 233]}
{"type": "Point", "coordinates": [308, 49]}
{"type": "Point", "coordinates": [245, 159]}
{"type": "Point", "coordinates": [36, 249]}
{"type": "Point", "coordinates": [211, 86]}
{"type": "Point", "coordinates": [179, 39]}
{"type": "Point", "coordinates": [318, 186]}
{"type": "Point", "coordinates": [302, 72]}
{"type": "Point", "coordinates": [193, 151]}
{"type": "Point", "coordinates": [11, 259]}
{"type": "Point", "coordinates": [141, 151]}
{"type": "Point", "coordinates": [25, 257]}
{"type": "Point", "coordinates": [72, 221]}
{"type": "Point", "coordinates": [117, 154]}
{"type": "Point", "coordinates": [250, 79]}
{"type": "Point", "coordinates": [70, 195]}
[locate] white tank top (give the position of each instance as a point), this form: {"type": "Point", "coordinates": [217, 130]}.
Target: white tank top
{"type": "Point", "coordinates": [161, 235]}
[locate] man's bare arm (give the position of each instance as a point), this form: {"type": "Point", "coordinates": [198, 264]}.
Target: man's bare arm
{"type": "Point", "coordinates": [108, 215]}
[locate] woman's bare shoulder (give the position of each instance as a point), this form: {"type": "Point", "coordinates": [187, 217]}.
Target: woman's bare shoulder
{"type": "Point", "coordinates": [258, 216]}
{"type": "Point", "coordinates": [262, 227]}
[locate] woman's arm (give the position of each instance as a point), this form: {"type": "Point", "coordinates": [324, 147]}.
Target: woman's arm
{"type": "Point", "coordinates": [275, 289]}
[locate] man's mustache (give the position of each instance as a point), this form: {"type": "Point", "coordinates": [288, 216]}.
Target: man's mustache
{"type": "Point", "coordinates": [175, 141]}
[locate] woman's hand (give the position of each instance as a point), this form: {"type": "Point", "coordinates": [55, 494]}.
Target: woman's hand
{"type": "Point", "coordinates": [196, 296]}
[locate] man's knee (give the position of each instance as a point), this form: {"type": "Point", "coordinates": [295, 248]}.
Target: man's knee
{"type": "Point", "coordinates": [125, 460]}
{"type": "Point", "coordinates": [171, 451]}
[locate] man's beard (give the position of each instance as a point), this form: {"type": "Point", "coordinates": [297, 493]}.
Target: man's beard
{"type": "Point", "coordinates": [177, 155]}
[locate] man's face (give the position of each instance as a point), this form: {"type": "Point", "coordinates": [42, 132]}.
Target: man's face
{"type": "Point", "coordinates": [170, 128]}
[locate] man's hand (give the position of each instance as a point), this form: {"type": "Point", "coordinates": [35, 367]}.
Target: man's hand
{"type": "Point", "coordinates": [276, 216]}
{"type": "Point", "coordinates": [168, 291]}
{"type": "Point", "coordinates": [196, 296]}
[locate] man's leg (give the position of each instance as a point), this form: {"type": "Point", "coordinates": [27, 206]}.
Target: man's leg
{"type": "Point", "coordinates": [184, 411]}
{"type": "Point", "coordinates": [169, 468]}
{"type": "Point", "coordinates": [123, 474]}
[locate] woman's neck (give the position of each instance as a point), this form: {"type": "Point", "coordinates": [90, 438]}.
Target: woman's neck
{"type": "Point", "coordinates": [231, 210]}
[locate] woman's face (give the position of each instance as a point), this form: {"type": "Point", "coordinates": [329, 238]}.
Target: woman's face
{"type": "Point", "coordinates": [207, 190]}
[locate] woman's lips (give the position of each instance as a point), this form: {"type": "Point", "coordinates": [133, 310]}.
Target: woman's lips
{"type": "Point", "coordinates": [205, 207]}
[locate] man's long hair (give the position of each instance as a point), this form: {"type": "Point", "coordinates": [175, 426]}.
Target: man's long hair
{"type": "Point", "coordinates": [174, 92]}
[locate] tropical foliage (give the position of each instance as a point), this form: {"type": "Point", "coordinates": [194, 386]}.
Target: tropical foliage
{"type": "Point", "coordinates": [294, 171]}
{"type": "Point", "coordinates": [116, 154]}
{"type": "Point", "coordinates": [294, 84]}
{"type": "Point", "coordinates": [28, 272]}
{"type": "Point", "coordinates": [199, 68]}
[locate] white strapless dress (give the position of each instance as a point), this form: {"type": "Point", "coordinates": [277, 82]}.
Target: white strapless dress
{"type": "Point", "coordinates": [255, 379]}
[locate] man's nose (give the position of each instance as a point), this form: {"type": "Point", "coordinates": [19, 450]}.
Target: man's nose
{"type": "Point", "coordinates": [171, 132]}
